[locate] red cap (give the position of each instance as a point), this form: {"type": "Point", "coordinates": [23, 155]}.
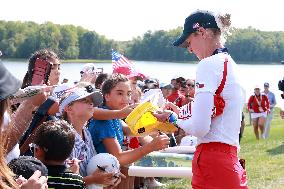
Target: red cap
{"type": "Point", "coordinates": [128, 72]}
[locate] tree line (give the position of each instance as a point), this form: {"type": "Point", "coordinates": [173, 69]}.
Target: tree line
{"type": "Point", "coordinates": [21, 39]}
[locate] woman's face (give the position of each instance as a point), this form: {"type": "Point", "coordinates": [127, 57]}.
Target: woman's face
{"type": "Point", "coordinates": [201, 43]}
{"type": "Point", "coordinates": [119, 97]}
{"type": "Point", "coordinates": [83, 108]}
{"type": "Point", "coordinates": [257, 91]}
{"type": "Point", "coordinates": [55, 72]}
{"type": "Point", "coordinates": [195, 45]}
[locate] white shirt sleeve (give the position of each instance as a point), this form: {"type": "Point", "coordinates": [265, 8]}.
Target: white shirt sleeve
{"type": "Point", "coordinates": [207, 77]}
{"type": "Point", "coordinates": [199, 123]}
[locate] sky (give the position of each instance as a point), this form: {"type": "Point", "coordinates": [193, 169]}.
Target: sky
{"type": "Point", "coordinates": [125, 19]}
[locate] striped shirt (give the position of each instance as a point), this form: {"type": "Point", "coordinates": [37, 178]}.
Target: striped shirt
{"type": "Point", "coordinates": [83, 150]}
{"type": "Point", "coordinates": [59, 177]}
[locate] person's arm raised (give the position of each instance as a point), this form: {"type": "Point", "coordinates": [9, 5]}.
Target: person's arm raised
{"type": "Point", "coordinates": [105, 114]}
{"type": "Point", "coordinates": [21, 119]}
{"type": "Point", "coordinates": [113, 147]}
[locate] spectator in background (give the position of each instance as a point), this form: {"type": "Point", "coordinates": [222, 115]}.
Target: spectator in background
{"type": "Point", "coordinates": [40, 102]}
{"type": "Point", "coordinates": [272, 102]}
{"type": "Point", "coordinates": [258, 106]}
{"type": "Point", "coordinates": [176, 97]}
{"type": "Point", "coordinates": [166, 89]}
{"type": "Point", "coordinates": [281, 88]}
{"type": "Point", "coordinates": [64, 81]}
{"type": "Point", "coordinates": [89, 73]}
{"type": "Point", "coordinates": [100, 79]}
{"type": "Point", "coordinates": [184, 90]}
{"type": "Point", "coordinates": [191, 87]}
{"type": "Point", "coordinates": [48, 55]}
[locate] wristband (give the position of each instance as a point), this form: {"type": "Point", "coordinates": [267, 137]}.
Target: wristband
{"type": "Point", "coordinates": [173, 119]}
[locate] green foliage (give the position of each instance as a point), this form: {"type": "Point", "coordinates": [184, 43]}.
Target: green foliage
{"type": "Point", "coordinates": [20, 39]}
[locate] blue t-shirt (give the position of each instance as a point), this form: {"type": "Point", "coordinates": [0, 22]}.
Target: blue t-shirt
{"type": "Point", "coordinates": [101, 129]}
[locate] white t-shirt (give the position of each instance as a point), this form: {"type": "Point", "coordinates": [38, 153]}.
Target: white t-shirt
{"type": "Point", "coordinates": [224, 128]}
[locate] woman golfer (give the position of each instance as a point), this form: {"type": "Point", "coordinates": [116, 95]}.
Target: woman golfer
{"type": "Point", "coordinates": [218, 104]}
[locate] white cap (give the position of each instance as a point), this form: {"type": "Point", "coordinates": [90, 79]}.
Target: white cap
{"type": "Point", "coordinates": [80, 93]}
{"type": "Point", "coordinates": [257, 87]}
{"type": "Point", "coordinates": [62, 89]}
{"type": "Point", "coordinates": [89, 68]}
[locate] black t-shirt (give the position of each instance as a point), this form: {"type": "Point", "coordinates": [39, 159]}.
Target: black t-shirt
{"type": "Point", "coordinates": [59, 177]}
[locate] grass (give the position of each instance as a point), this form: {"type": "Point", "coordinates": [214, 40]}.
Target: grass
{"type": "Point", "coordinates": [264, 158]}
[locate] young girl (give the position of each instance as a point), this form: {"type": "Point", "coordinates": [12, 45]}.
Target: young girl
{"type": "Point", "coordinates": [108, 135]}
{"type": "Point", "coordinates": [77, 108]}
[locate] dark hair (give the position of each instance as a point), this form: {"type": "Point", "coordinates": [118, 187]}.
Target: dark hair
{"type": "Point", "coordinates": [26, 166]}
{"type": "Point", "coordinates": [56, 138]}
{"type": "Point", "coordinates": [180, 80]}
{"type": "Point", "coordinates": [6, 174]}
{"type": "Point", "coordinates": [44, 54]}
{"type": "Point", "coordinates": [183, 84]}
{"type": "Point", "coordinates": [111, 82]}
{"type": "Point", "coordinates": [100, 79]}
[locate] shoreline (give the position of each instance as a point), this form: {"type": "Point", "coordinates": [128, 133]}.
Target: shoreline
{"type": "Point", "coordinates": [109, 61]}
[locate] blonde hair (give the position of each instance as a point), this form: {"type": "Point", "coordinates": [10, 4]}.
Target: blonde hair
{"type": "Point", "coordinates": [6, 175]}
{"type": "Point", "coordinates": [223, 21]}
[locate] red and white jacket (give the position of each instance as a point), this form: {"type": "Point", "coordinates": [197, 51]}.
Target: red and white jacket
{"type": "Point", "coordinates": [258, 103]}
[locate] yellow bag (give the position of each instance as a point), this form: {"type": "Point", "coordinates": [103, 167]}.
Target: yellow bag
{"type": "Point", "coordinates": [141, 120]}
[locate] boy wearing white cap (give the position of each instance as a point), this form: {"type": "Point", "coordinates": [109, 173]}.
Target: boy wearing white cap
{"type": "Point", "coordinates": [77, 108]}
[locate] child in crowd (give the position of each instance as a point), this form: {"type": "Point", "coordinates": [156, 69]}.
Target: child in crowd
{"type": "Point", "coordinates": [77, 108]}
{"type": "Point", "coordinates": [9, 85]}
{"type": "Point", "coordinates": [108, 135]}
{"type": "Point", "coordinates": [25, 166]}
{"type": "Point", "coordinates": [53, 144]}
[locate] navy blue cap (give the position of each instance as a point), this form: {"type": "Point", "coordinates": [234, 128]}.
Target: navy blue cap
{"type": "Point", "coordinates": [197, 19]}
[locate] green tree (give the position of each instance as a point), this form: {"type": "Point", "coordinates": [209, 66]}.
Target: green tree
{"type": "Point", "coordinates": [68, 42]}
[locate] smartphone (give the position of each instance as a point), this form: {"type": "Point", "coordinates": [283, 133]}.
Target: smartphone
{"type": "Point", "coordinates": [41, 72]}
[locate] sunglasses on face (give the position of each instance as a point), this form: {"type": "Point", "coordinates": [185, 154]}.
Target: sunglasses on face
{"type": "Point", "coordinates": [190, 85]}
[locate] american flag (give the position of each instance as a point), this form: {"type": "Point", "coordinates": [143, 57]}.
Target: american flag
{"type": "Point", "coordinates": [118, 60]}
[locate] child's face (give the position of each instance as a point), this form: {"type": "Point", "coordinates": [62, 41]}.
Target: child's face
{"type": "Point", "coordinates": [83, 108]}
{"type": "Point", "coordinates": [119, 97]}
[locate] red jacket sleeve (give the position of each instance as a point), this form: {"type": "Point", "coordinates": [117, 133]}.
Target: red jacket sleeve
{"type": "Point", "coordinates": [249, 105]}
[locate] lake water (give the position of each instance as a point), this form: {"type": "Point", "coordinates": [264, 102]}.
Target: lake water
{"type": "Point", "coordinates": [251, 75]}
